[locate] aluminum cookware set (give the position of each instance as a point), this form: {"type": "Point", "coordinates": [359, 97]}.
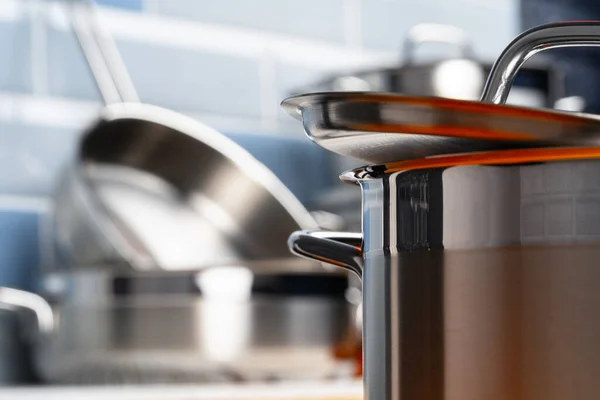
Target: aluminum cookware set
{"type": "Point", "coordinates": [480, 244]}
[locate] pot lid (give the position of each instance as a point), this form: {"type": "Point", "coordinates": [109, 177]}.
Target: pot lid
{"type": "Point", "coordinates": [380, 127]}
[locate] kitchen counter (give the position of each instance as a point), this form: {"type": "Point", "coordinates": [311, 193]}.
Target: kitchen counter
{"type": "Point", "coordinates": [345, 390]}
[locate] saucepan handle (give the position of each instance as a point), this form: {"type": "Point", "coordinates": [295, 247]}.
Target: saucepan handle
{"type": "Point", "coordinates": [342, 249]}
{"type": "Point", "coordinates": [20, 300]}
{"type": "Point", "coordinates": [543, 37]}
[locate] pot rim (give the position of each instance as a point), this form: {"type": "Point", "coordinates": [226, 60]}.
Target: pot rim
{"type": "Point", "coordinates": [496, 157]}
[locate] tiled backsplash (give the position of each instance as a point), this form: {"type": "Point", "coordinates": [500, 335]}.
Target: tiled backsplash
{"type": "Point", "coordinates": [315, 19]}
{"type": "Point", "coordinates": [20, 248]}
{"type": "Point", "coordinates": [226, 62]}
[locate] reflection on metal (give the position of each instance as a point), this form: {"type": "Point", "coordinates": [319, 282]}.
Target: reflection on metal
{"type": "Point", "coordinates": [379, 127]}
{"type": "Point", "coordinates": [225, 283]}
{"type": "Point", "coordinates": [342, 249]}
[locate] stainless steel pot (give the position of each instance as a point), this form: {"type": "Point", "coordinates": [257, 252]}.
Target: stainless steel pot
{"type": "Point", "coordinates": [480, 271]}
{"type": "Point", "coordinates": [221, 325]}
{"type": "Point", "coordinates": [479, 282]}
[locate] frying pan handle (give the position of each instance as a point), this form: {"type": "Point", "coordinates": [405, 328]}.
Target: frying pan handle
{"type": "Point", "coordinates": [342, 249]}
{"type": "Point", "coordinates": [101, 54]}
{"type": "Point", "coordinates": [435, 33]}
{"type": "Point", "coordinates": [19, 300]}
{"type": "Point", "coordinates": [535, 40]}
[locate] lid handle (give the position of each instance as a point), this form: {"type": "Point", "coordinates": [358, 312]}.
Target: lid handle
{"type": "Point", "coordinates": [535, 40]}
{"type": "Point", "coordinates": [436, 33]}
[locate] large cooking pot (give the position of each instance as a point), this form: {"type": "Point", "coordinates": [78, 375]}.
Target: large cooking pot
{"type": "Point", "coordinates": [479, 282]}
{"type": "Point", "coordinates": [480, 271]}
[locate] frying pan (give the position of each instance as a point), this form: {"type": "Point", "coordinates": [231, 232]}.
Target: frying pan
{"type": "Point", "coordinates": [151, 189]}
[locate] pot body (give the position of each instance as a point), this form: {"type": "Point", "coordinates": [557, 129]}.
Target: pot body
{"type": "Point", "coordinates": [479, 282]}
{"type": "Point", "coordinates": [221, 325]}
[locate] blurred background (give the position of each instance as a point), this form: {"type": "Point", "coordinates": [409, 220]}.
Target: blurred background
{"type": "Point", "coordinates": [227, 64]}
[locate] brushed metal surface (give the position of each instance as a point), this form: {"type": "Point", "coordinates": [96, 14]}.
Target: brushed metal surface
{"type": "Point", "coordinates": [478, 281]}
{"type": "Point", "coordinates": [381, 127]}
{"type": "Point", "coordinates": [181, 339]}
{"type": "Point", "coordinates": [220, 325]}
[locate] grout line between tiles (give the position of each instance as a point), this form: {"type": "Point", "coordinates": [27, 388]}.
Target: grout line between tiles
{"type": "Point", "coordinates": [24, 203]}
{"type": "Point", "coordinates": [222, 39]}
{"type": "Point", "coordinates": [75, 114]}
{"type": "Point", "coordinates": [353, 29]}
{"type": "Point", "coordinates": [38, 50]}
{"type": "Point", "coordinates": [268, 92]}
{"type": "Point", "coordinates": [46, 249]}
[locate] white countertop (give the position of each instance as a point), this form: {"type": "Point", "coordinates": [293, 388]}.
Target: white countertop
{"type": "Point", "coordinates": [350, 390]}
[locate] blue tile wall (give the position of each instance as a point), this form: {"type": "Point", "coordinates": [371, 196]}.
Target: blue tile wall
{"type": "Point", "coordinates": [318, 19]}
{"type": "Point", "coordinates": [19, 249]}
{"type": "Point", "coordinates": [135, 5]}
{"type": "Point", "coordinates": [189, 80]}
{"type": "Point", "coordinates": [68, 73]}
{"type": "Point", "coordinates": [15, 56]}
{"type": "Point", "coordinates": [31, 156]}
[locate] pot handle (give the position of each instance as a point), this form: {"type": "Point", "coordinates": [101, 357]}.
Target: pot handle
{"type": "Point", "coordinates": [342, 249]}
{"type": "Point", "coordinates": [530, 42]}
{"type": "Point", "coordinates": [19, 300]}
{"type": "Point", "coordinates": [435, 33]}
